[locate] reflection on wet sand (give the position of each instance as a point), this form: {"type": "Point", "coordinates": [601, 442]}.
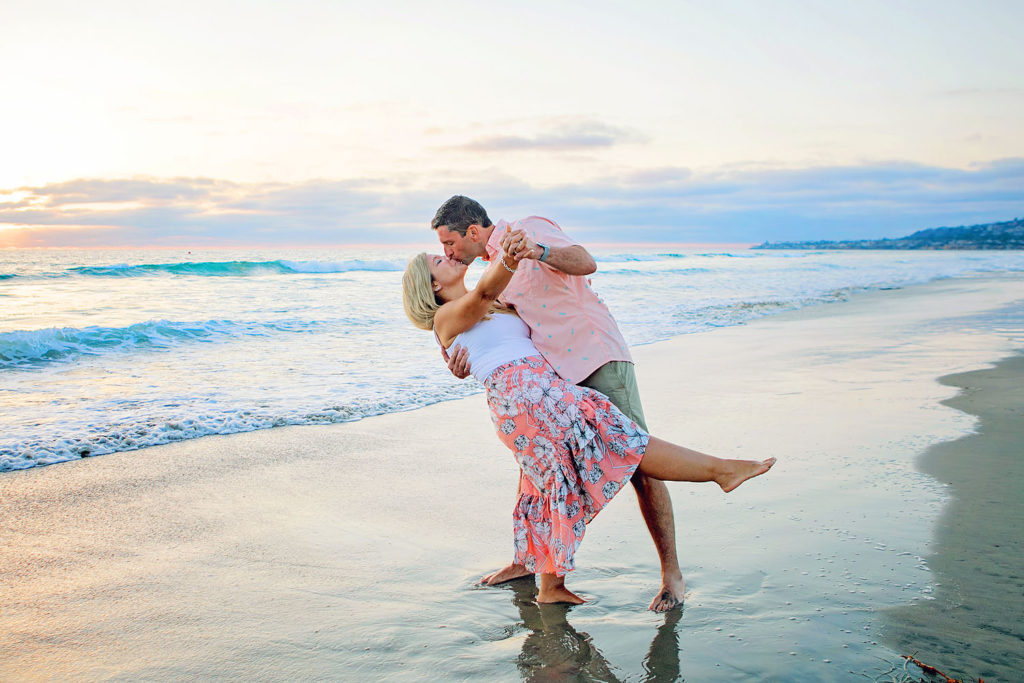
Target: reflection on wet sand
{"type": "Point", "coordinates": [555, 651]}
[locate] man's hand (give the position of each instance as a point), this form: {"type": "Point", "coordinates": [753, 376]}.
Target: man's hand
{"type": "Point", "coordinates": [571, 260]}
{"type": "Point", "coordinates": [517, 245]}
{"type": "Point", "coordinates": [458, 361]}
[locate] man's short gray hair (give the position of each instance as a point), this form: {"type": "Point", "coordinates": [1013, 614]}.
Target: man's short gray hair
{"type": "Point", "coordinates": [458, 213]}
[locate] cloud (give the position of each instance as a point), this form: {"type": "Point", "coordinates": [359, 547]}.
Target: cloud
{"type": "Point", "coordinates": [571, 136]}
{"type": "Point", "coordinates": [659, 204]}
{"type": "Point", "coordinates": [985, 92]}
{"type": "Point", "coordinates": [138, 189]}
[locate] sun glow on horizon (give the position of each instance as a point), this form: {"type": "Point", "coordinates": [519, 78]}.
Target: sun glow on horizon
{"type": "Point", "coordinates": [555, 108]}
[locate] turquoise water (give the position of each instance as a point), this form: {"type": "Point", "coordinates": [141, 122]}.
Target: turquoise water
{"type": "Point", "coordinates": [107, 351]}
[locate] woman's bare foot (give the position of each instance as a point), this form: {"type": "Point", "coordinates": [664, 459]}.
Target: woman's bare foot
{"type": "Point", "coordinates": [509, 573]}
{"type": "Point", "coordinates": [739, 471]}
{"type": "Point", "coordinates": [552, 590]}
{"type": "Point", "coordinates": [558, 594]}
{"type": "Point", "coordinates": [670, 596]}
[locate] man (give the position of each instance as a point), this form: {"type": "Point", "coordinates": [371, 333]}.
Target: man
{"type": "Point", "coordinates": [576, 333]}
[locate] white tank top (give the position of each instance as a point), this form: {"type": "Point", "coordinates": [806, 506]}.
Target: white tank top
{"type": "Point", "coordinates": [491, 343]}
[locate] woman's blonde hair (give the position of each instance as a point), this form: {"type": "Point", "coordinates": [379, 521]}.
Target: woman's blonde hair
{"type": "Point", "coordinates": [418, 296]}
{"type": "Point", "coordinates": [421, 301]}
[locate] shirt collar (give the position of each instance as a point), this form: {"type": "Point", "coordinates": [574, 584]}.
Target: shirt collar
{"type": "Point", "coordinates": [494, 243]}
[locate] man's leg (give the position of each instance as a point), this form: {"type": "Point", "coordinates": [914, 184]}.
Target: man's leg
{"type": "Point", "coordinates": [617, 381]}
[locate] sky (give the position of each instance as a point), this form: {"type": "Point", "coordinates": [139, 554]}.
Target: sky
{"type": "Point", "coordinates": [329, 122]}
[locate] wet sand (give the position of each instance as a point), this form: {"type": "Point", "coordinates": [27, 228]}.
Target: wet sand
{"type": "Point", "coordinates": [350, 552]}
{"type": "Point", "coordinates": [974, 626]}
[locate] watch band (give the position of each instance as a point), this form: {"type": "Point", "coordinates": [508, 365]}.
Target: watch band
{"type": "Point", "coordinates": [547, 250]}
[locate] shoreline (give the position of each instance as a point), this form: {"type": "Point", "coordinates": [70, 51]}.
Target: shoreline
{"type": "Point", "coordinates": [351, 550]}
{"type": "Point", "coordinates": [979, 548]}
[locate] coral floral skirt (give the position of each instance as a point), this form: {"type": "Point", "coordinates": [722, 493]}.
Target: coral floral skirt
{"type": "Point", "coordinates": [575, 451]}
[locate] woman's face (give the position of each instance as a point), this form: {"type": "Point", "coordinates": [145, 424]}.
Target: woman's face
{"type": "Point", "coordinates": [444, 270]}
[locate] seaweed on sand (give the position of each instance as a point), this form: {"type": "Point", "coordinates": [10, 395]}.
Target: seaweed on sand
{"type": "Point", "coordinates": [899, 673]}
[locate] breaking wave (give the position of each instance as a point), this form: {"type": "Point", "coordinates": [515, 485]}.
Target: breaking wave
{"type": "Point", "coordinates": [33, 347]}
{"type": "Point", "coordinates": [236, 268]}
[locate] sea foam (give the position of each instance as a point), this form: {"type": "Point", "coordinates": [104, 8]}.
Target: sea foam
{"type": "Point", "coordinates": [102, 352]}
{"type": "Point", "coordinates": [230, 268]}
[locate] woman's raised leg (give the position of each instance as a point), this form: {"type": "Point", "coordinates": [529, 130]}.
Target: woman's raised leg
{"type": "Point", "coordinates": [669, 462]}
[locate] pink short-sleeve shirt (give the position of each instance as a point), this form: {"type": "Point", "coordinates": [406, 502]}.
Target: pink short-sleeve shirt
{"type": "Point", "coordinates": [568, 322]}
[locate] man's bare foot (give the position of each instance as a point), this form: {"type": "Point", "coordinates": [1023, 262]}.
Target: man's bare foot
{"type": "Point", "coordinates": [742, 470]}
{"type": "Point", "coordinates": [670, 596]}
{"type": "Point", "coordinates": [555, 594]}
{"type": "Point", "coordinates": [509, 573]}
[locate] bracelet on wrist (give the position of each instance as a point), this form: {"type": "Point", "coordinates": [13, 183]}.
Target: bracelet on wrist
{"type": "Point", "coordinates": [511, 270]}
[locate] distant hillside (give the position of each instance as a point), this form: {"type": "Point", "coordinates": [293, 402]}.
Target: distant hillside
{"type": "Point", "coordinates": [1005, 235]}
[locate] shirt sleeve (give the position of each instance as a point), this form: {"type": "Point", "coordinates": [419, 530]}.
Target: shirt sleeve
{"type": "Point", "coordinates": [544, 231]}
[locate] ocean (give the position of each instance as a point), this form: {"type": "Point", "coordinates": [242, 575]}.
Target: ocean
{"type": "Point", "coordinates": [103, 351]}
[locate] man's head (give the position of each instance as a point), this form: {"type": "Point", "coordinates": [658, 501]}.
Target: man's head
{"type": "Point", "coordinates": [461, 224]}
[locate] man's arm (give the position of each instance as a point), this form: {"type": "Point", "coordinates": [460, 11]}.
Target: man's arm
{"type": "Point", "coordinates": [571, 260]}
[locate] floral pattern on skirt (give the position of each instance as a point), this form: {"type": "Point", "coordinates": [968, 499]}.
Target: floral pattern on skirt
{"type": "Point", "coordinates": [575, 451]}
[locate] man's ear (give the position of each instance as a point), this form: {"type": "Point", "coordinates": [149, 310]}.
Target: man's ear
{"type": "Point", "coordinates": [473, 232]}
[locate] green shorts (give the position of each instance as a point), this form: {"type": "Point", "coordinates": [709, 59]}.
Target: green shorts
{"type": "Point", "coordinates": [617, 380]}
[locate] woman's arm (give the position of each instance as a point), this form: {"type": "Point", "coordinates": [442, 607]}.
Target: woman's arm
{"type": "Point", "coordinates": [457, 316]}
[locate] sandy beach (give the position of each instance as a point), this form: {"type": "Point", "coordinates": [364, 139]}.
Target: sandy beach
{"type": "Point", "coordinates": [351, 551]}
{"type": "Point", "coordinates": [975, 620]}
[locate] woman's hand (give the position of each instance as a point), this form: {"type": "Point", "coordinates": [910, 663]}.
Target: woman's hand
{"type": "Point", "coordinates": [516, 244]}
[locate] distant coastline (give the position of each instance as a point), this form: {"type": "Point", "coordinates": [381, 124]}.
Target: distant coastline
{"type": "Point", "coordinates": [1004, 235]}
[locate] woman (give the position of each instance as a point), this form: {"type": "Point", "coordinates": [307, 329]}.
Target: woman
{"type": "Point", "coordinates": [574, 448]}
